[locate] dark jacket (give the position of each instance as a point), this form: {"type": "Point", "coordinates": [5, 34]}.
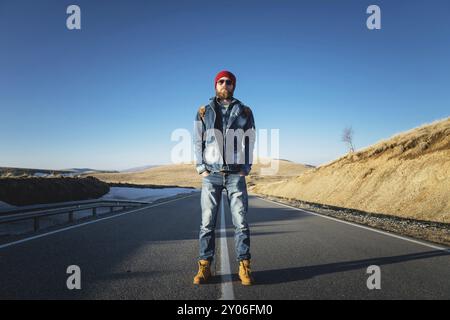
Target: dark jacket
{"type": "Point", "coordinates": [229, 151]}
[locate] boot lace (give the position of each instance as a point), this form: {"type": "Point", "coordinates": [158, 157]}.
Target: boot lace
{"type": "Point", "coordinates": [246, 269]}
{"type": "Point", "coordinates": [202, 270]}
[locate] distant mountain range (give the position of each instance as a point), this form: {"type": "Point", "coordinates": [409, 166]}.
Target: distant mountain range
{"type": "Point", "coordinates": [85, 170]}
{"type": "Point", "coordinates": [12, 171]}
{"type": "Point", "coordinates": [141, 168]}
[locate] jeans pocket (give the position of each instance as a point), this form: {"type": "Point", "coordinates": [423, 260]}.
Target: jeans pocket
{"type": "Point", "coordinates": [238, 181]}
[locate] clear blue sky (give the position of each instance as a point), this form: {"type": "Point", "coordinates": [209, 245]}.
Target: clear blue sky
{"type": "Point", "coordinates": [109, 96]}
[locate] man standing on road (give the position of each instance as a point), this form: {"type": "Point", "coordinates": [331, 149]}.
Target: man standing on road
{"type": "Point", "coordinates": [224, 164]}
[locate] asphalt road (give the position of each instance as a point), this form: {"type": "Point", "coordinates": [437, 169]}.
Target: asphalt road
{"type": "Point", "coordinates": [151, 253]}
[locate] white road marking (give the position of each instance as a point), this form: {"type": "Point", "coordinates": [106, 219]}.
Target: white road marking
{"type": "Point", "coordinates": [225, 270]}
{"type": "Point", "coordinates": [362, 227]}
{"type": "Point", "coordinates": [86, 223]}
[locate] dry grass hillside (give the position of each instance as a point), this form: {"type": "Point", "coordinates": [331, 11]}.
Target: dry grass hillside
{"type": "Point", "coordinates": [407, 175]}
{"type": "Point", "coordinates": [184, 175]}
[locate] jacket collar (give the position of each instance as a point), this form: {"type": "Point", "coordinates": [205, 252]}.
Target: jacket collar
{"type": "Point", "coordinates": [235, 111]}
{"type": "Point", "coordinates": [213, 101]}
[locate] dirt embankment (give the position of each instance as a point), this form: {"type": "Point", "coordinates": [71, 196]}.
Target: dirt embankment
{"type": "Point", "coordinates": [407, 176]}
{"type": "Point", "coordinates": [34, 190]}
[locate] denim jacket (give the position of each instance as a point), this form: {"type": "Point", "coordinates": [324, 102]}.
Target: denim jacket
{"type": "Point", "coordinates": [218, 151]}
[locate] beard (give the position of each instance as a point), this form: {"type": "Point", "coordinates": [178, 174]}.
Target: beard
{"type": "Point", "coordinates": [224, 93]}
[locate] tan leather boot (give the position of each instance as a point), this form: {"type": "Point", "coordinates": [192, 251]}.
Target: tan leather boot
{"type": "Point", "coordinates": [204, 272]}
{"type": "Point", "coordinates": [245, 274]}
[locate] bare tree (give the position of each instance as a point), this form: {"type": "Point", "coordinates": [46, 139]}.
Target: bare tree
{"type": "Point", "coordinates": [347, 137]}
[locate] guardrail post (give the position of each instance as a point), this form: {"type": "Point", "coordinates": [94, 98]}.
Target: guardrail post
{"type": "Point", "coordinates": [36, 223]}
{"type": "Point", "coordinates": [40, 212]}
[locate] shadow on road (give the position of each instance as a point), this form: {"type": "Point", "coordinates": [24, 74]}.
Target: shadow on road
{"type": "Point", "coordinates": [277, 276]}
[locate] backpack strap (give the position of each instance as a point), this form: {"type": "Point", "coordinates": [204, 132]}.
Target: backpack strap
{"type": "Point", "coordinates": [247, 111]}
{"type": "Point", "coordinates": [201, 112]}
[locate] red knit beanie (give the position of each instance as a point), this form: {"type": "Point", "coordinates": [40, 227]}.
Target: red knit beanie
{"type": "Point", "coordinates": [227, 74]}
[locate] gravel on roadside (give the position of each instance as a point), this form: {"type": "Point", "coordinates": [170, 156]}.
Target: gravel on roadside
{"type": "Point", "coordinates": [435, 232]}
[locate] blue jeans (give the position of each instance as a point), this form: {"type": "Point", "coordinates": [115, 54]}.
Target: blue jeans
{"type": "Point", "coordinates": [211, 196]}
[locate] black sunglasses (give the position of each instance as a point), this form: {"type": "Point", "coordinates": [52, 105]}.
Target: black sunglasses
{"type": "Point", "coordinates": [228, 82]}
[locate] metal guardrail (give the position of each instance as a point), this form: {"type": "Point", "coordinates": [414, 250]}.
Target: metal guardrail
{"type": "Point", "coordinates": [38, 212]}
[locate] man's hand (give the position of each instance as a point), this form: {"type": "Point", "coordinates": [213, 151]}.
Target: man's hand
{"type": "Point", "coordinates": [205, 174]}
